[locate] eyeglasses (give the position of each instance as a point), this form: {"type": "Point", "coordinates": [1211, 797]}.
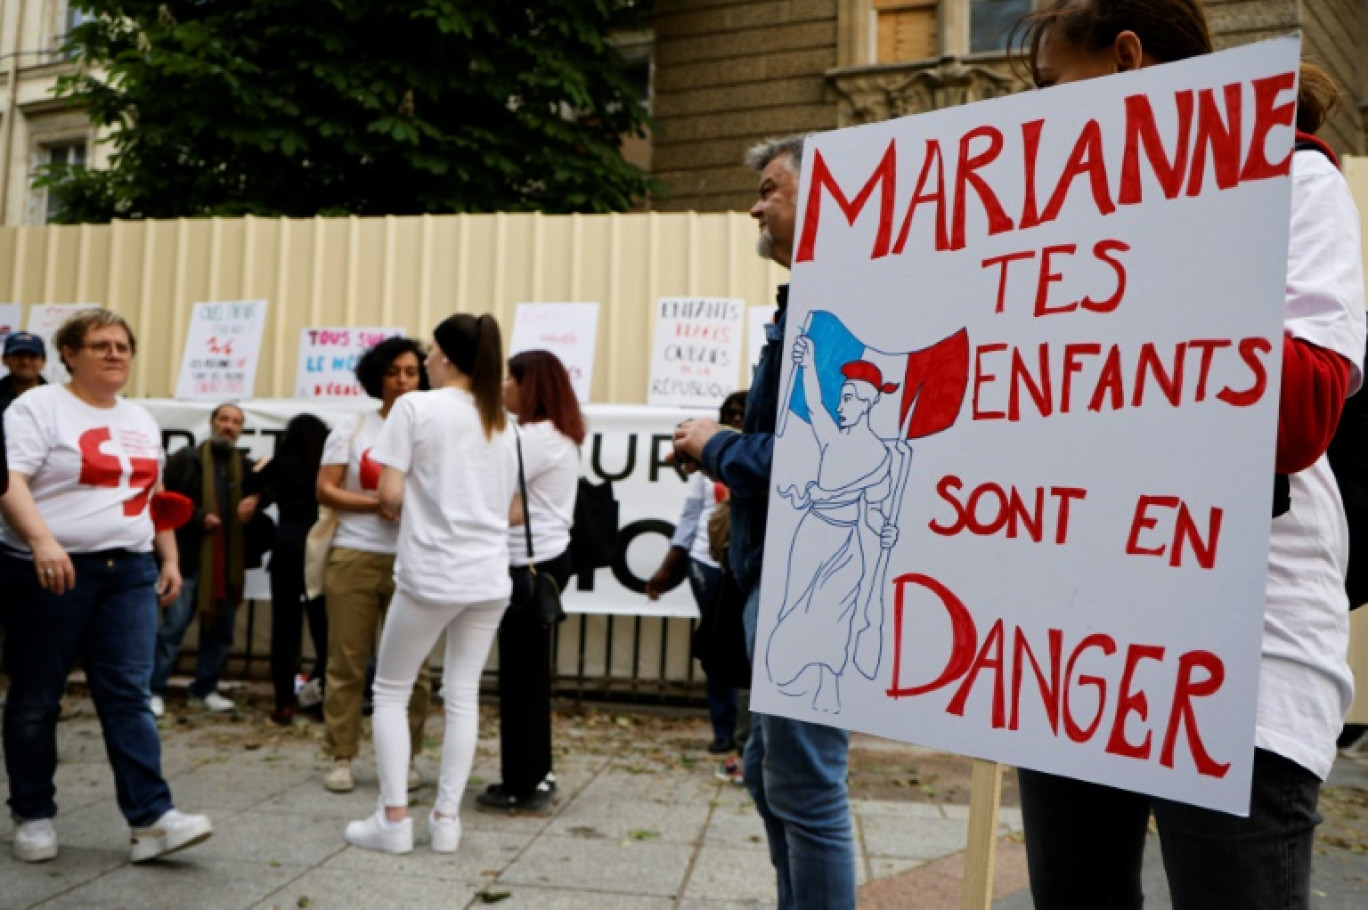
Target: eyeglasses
{"type": "Point", "coordinates": [105, 348]}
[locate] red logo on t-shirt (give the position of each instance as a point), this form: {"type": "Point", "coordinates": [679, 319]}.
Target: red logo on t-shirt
{"type": "Point", "coordinates": [370, 472]}
{"type": "Point", "coordinates": [100, 469]}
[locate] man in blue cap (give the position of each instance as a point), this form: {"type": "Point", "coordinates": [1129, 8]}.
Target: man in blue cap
{"type": "Point", "coordinates": [25, 357]}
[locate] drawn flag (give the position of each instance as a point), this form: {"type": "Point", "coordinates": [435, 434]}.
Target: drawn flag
{"type": "Point", "coordinates": [931, 382]}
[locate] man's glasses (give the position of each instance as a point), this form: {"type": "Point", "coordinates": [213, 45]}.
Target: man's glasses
{"type": "Point", "coordinates": [105, 348]}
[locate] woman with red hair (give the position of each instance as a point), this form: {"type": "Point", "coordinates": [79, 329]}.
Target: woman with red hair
{"type": "Point", "coordinates": [550, 428]}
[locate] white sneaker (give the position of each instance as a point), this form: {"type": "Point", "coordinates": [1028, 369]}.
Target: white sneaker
{"type": "Point", "coordinates": [158, 706]}
{"type": "Point", "coordinates": [174, 831]}
{"type": "Point", "coordinates": [214, 703]}
{"type": "Point", "coordinates": [415, 780]}
{"type": "Point", "coordinates": [444, 834]}
{"type": "Point", "coordinates": [374, 833]}
{"type": "Point", "coordinates": [34, 840]}
{"type": "Point", "coordinates": [310, 694]}
{"type": "Point", "coordinates": [339, 779]}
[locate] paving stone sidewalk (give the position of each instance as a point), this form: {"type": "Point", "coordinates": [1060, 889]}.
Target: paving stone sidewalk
{"type": "Point", "coordinates": [641, 823]}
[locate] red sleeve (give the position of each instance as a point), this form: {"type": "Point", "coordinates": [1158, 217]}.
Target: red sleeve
{"type": "Point", "coordinates": [1314, 383]}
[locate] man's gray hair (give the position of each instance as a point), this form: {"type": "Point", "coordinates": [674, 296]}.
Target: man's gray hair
{"type": "Point", "coordinates": [759, 157]}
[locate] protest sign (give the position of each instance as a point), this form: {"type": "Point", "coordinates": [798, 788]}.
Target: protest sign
{"type": "Point", "coordinates": [1021, 490]}
{"type": "Point", "coordinates": [221, 350]}
{"type": "Point", "coordinates": [568, 330]}
{"type": "Point", "coordinates": [11, 319]}
{"type": "Point", "coordinates": [44, 320]}
{"type": "Point", "coordinates": [328, 356]}
{"type": "Point", "coordinates": [697, 353]}
{"type": "Point", "coordinates": [627, 444]}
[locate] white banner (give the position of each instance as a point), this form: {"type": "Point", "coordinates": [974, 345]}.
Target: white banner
{"type": "Point", "coordinates": [697, 353]}
{"type": "Point", "coordinates": [221, 350]}
{"type": "Point", "coordinates": [627, 444]}
{"type": "Point", "coordinates": [328, 356]}
{"type": "Point", "coordinates": [1021, 494]}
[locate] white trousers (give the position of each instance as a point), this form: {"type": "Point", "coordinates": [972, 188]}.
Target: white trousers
{"type": "Point", "coordinates": [411, 630]}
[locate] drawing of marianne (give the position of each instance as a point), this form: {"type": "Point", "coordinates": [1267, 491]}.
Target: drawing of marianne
{"type": "Point", "coordinates": [847, 520]}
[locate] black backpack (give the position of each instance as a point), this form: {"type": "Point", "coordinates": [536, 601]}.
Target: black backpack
{"type": "Point", "coordinates": [593, 536]}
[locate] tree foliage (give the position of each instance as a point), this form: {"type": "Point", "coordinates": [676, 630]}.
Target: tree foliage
{"type": "Point", "coordinates": [367, 107]}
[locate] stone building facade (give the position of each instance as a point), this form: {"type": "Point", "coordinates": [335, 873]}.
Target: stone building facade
{"type": "Point", "coordinates": [729, 73]}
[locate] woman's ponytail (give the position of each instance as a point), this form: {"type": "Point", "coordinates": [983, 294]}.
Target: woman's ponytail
{"type": "Point", "coordinates": [486, 376]}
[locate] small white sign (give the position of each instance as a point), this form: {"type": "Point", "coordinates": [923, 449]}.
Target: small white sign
{"type": "Point", "coordinates": [44, 320]}
{"type": "Point", "coordinates": [568, 330]}
{"type": "Point", "coordinates": [697, 351]}
{"type": "Point", "coordinates": [221, 350]}
{"type": "Point", "coordinates": [328, 356]}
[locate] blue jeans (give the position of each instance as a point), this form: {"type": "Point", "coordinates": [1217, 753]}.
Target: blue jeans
{"type": "Point", "coordinates": [108, 620]}
{"type": "Point", "coordinates": [215, 639]}
{"type": "Point", "coordinates": [703, 580]}
{"type": "Point", "coordinates": [1085, 841]}
{"type": "Point", "coordinates": [796, 773]}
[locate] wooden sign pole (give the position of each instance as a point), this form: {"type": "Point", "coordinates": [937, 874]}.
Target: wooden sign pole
{"type": "Point", "coordinates": [980, 853]}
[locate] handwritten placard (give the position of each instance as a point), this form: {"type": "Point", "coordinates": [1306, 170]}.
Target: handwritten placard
{"type": "Point", "coordinates": [328, 356]}
{"type": "Point", "coordinates": [221, 350]}
{"type": "Point", "coordinates": [568, 330]}
{"type": "Point", "coordinates": [1022, 480]}
{"type": "Point", "coordinates": [697, 352]}
{"type": "Point", "coordinates": [44, 320]}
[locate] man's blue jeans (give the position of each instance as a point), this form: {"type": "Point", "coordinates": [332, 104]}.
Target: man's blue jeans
{"type": "Point", "coordinates": [796, 773]}
{"type": "Point", "coordinates": [109, 620]}
{"type": "Point", "coordinates": [216, 638]}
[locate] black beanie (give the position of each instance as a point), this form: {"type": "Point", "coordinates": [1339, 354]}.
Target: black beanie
{"type": "Point", "coordinates": [459, 337]}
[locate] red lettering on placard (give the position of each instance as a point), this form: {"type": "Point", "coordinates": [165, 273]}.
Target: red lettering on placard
{"type": "Point", "coordinates": [1107, 645]}
{"type": "Point", "coordinates": [1184, 531]}
{"type": "Point", "coordinates": [1141, 131]}
{"type": "Point", "coordinates": [1184, 691]}
{"type": "Point", "coordinates": [1220, 135]}
{"type": "Point", "coordinates": [966, 176]}
{"type": "Point", "coordinates": [884, 177]}
{"type": "Point", "coordinates": [1129, 702]}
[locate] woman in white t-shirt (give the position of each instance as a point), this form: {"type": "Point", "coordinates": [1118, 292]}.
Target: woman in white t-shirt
{"type": "Point", "coordinates": [360, 575]}
{"type": "Point", "coordinates": [539, 394]}
{"type": "Point", "coordinates": [80, 580]}
{"type": "Point", "coordinates": [450, 473]}
{"type": "Point", "coordinates": [1084, 841]}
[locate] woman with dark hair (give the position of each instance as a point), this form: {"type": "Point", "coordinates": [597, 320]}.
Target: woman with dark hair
{"type": "Point", "coordinates": [1084, 841]}
{"type": "Point", "coordinates": [359, 581]}
{"type": "Point", "coordinates": [450, 473]}
{"type": "Point", "coordinates": [287, 480]}
{"type": "Point", "coordinates": [550, 427]}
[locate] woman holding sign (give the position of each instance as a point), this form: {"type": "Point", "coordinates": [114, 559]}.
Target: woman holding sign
{"type": "Point", "coordinates": [359, 581]}
{"type": "Point", "coordinates": [449, 470]}
{"type": "Point", "coordinates": [1084, 841]}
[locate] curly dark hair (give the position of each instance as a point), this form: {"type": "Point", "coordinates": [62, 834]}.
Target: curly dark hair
{"type": "Point", "coordinates": [371, 368]}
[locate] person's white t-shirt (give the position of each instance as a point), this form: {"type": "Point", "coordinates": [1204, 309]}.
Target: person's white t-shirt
{"type": "Point", "coordinates": [1305, 684]}
{"type": "Point", "coordinates": [551, 466]}
{"type": "Point", "coordinates": [91, 470]}
{"type": "Point", "coordinates": [709, 493]}
{"type": "Point", "coordinates": [453, 528]}
{"type": "Point", "coordinates": [351, 446]}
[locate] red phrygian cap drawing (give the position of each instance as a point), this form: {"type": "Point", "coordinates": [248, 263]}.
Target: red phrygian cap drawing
{"type": "Point", "coordinates": [864, 371]}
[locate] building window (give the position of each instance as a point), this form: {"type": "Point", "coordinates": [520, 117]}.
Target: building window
{"type": "Point", "coordinates": [990, 21]}
{"type": "Point", "coordinates": [906, 30]}
{"type": "Point", "coordinates": [45, 203]}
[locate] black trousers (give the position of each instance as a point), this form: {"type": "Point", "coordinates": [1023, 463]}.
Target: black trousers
{"type": "Point", "coordinates": [289, 608]}
{"type": "Point", "coordinates": [525, 685]}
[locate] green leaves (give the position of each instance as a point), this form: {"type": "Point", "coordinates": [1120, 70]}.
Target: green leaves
{"type": "Point", "coordinates": [366, 107]}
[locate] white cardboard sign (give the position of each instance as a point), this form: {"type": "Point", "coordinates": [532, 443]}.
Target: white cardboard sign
{"type": "Point", "coordinates": [568, 330]}
{"type": "Point", "coordinates": [44, 320]}
{"type": "Point", "coordinates": [221, 350]}
{"type": "Point", "coordinates": [328, 356]}
{"type": "Point", "coordinates": [1043, 541]}
{"type": "Point", "coordinates": [697, 352]}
